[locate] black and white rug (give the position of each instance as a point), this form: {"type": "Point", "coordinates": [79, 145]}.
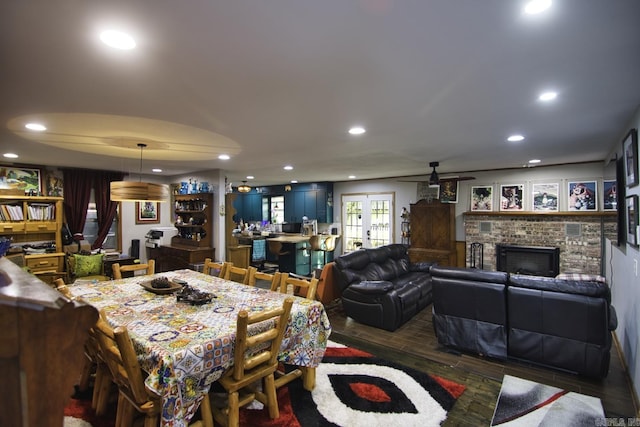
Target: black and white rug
{"type": "Point", "coordinates": [526, 403]}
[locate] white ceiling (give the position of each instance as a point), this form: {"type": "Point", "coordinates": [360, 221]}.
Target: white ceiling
{"type": "Point", "coordinates": [279, 82]}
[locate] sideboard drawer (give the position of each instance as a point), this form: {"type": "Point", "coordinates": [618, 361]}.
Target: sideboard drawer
{"type": "Point", "coordinates": [45, 262]}
{"type": "Point", "coordinates": [41, 226]}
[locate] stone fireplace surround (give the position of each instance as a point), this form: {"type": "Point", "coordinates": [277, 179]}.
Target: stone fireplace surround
{"type": "Point", "coordinates": [579, 236]}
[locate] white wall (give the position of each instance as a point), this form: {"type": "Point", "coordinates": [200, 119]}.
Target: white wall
{"type": "Point", "coordinates": [622, 273]}
{"type": "Point", "coordinates": [406, 192]}
{"type": "Point", "coordinates": [131, 230]}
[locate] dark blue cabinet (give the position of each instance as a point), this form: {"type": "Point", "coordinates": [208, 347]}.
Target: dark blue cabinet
{"type": "Point", "coordinates": [314, 201]}
{"type": "Point", "coordinates": [248, 208]}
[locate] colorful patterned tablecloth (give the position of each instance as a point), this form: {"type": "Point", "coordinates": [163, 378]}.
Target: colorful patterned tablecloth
{"type": "Point", "coordinates": [185, 348]}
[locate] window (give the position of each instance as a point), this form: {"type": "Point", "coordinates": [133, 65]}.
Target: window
{"type": "Point", "coordinates": [90, 230]}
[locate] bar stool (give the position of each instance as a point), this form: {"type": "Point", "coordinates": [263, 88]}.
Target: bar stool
{"type": "Point", "coordinates": [317, 244]}
{"type": "Point", "coordinates": [329, 245]}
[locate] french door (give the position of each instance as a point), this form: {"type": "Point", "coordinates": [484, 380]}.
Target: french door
{"type": "Point", "coordinates": [367, 220]}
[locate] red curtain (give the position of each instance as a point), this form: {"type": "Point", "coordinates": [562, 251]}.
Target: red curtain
{"type": "Point", "coordinates": [106, 209]}
{"type": "Point", "coordinates": [77, 192]}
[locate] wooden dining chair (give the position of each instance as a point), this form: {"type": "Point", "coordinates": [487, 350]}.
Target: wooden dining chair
{"type": "Point", "coordinates": [300, 287]}
{"type": "Point", "coordinates": [117, 350]}
{"type": "Point", "coordinates": [255, 358]}
{"type": "Point", "coordinates": [149, 268]}
{"type": "Point", "coordinates": [62, 287]}
{"type": "Point", "coordinates": [215, 268]}
{"type": "Point", "coordinates": [273, 279]}
{"type": "Point", "coordinates": [238, 274]}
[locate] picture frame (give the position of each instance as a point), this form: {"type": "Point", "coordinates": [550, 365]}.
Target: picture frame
{"type": "Point", "coordinates": [609, 195]}
{"type": "Point", "coordinates": [147, 213]}
{"type": "Point", "coordinates": [482, 198]}
{"type": "Point", "coordinates": [582, 196]}
{"type": "Point", "coordinates": [630, 155]}
{"type": "Point", "coordinates": [28, 180]}
{"type": "Point", "coordinates": [545, 197]}
{"type": "Point", "coordinates": [428, 192]}
{"type": "Point", "coordinates": [632, 220]}
{"type": "Point", "coordinates": [449, 190]}
{"type": "Point", "coordinates": [512, 197]}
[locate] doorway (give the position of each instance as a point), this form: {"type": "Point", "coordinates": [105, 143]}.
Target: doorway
{"type": "Point", "coordinates": [367, 220]}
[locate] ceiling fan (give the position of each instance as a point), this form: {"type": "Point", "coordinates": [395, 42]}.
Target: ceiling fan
{"type": "Point", "coordinates": [434, 178]}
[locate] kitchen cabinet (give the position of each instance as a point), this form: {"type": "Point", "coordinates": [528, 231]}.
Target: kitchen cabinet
{"type": "Point", "coordinates": [248, 207]}
{"type": "Point", "coordinates": [314, 201]}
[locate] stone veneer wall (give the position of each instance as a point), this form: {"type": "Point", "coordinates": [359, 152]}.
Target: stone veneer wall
{"type": "Point", "coordinates": [581, 253]}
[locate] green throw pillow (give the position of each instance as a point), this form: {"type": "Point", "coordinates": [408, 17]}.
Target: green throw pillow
{"type": "Point", "coordinates": [88, 265]}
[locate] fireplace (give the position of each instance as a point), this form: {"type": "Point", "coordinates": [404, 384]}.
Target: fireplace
{"type": "Point", "coordinates": [531, 260]}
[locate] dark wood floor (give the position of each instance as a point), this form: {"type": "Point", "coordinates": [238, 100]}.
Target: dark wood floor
{"type": "Point", "coordinates": [415, 345]}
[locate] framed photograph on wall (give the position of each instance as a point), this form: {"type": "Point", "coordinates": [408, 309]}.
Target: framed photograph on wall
{"type": "Point", "coordinates": [428, 192]}
{"type": "Point", "coordinates": [630, 155]}
{"type": "Point", "coordinates": [632, 220]}
{"type": "Point", "coordinates": [511, 197]}
{"type": "Point", "coordinates": [449, 191]}
{"type": "Point", "coordinates": [609, 195]}
{"type": "Point", "coordinates": [482, 198]}
{"type": "Point", "coordinates": [583, 196]}
{"type": "Point", "coordinates": [545, 197]}
{"type": "Point", "coordinates": [21, 179]}
{"type": "Point", "coordinates": [147, 213]}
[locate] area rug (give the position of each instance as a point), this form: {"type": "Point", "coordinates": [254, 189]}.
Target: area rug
{"type": "Point", "coordinates": [353, 388]}
{"type": "Point", "coordinates": [526, 403]}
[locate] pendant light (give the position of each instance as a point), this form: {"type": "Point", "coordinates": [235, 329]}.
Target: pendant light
{"type": "Point", "coordinates": [132, 191]}
{"type": "Point", "coordinates": [244, 188]}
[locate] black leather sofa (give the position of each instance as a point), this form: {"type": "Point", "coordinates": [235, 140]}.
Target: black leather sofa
{"type": "Point", "coordinates": [381, 287]}
{"type": "Point", "coordinates": [560, 323]}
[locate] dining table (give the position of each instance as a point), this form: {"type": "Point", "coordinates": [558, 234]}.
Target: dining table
{"type": "Point", "coordinates": [185, 346]}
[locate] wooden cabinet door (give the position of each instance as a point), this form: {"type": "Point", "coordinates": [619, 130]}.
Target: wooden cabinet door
{"type": "Point", "coordinates": [433, 232]}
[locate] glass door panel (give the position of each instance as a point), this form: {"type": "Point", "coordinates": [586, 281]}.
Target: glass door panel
{"type": "Point", "coordinates": [367, 220]}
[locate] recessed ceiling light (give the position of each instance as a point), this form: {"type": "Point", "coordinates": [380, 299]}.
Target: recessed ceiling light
{"type": "Point", "coordinates": [534, 161]}
{"type": "Point", "coordinates": [288, 168]}
{"type": "Point", "coordinates": [294, 181]}
{"type": "Point", "coordinates": [38, 127]}
{"type": "Point", "coordinates": [352, 177]}
{"type": "Point", "coordinates": [224, 157]}
{"type": "Point", "coordinates": [250, 177]}
{"type": "Point", "coordinates": [117, 39]}
{"type": "Point", "coordinates": [156, 170]}
{"type": "Point", "coordinates": [536, 6]}
{"type": "Point", "coordinates": [515, 138]}
{"type": "Point", "coordinates": [357, 130]}
{"type": "Point", "coordinates": [10, 155]}
{"type": "Point", "coordinates": [548, 96]}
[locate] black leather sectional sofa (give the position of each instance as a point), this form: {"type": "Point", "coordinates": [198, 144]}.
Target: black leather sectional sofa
{"type": "Point", "coordinates": [381, 287]}
{"type": "Point", "coordinates": [562, 323]}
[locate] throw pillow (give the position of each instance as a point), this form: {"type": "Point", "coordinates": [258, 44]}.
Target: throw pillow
{"type": "Point", "coordinates": [88, 265]}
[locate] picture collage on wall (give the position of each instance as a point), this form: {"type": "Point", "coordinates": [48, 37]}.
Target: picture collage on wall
{"type": "Point", "coordinates": [581, 195]}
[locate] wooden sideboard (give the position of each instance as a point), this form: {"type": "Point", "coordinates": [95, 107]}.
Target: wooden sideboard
{"type": "Point", "coordinates": [433, 233]}
{"type": "Point", "coordinates": [169, 258]}
{"type": "Point", "coordinates": [42, 335]}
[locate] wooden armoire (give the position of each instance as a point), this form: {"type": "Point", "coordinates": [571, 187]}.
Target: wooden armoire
{"type": "Point", "coordinates": [433, 233]}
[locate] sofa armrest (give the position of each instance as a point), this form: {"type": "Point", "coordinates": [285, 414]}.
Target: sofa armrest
{"type": "Point", "coordinates": [424, 267]}
{"type": "Point", "coordinates": [372, 287]}
{"type": "Point", "coordinates": [613, 318]}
